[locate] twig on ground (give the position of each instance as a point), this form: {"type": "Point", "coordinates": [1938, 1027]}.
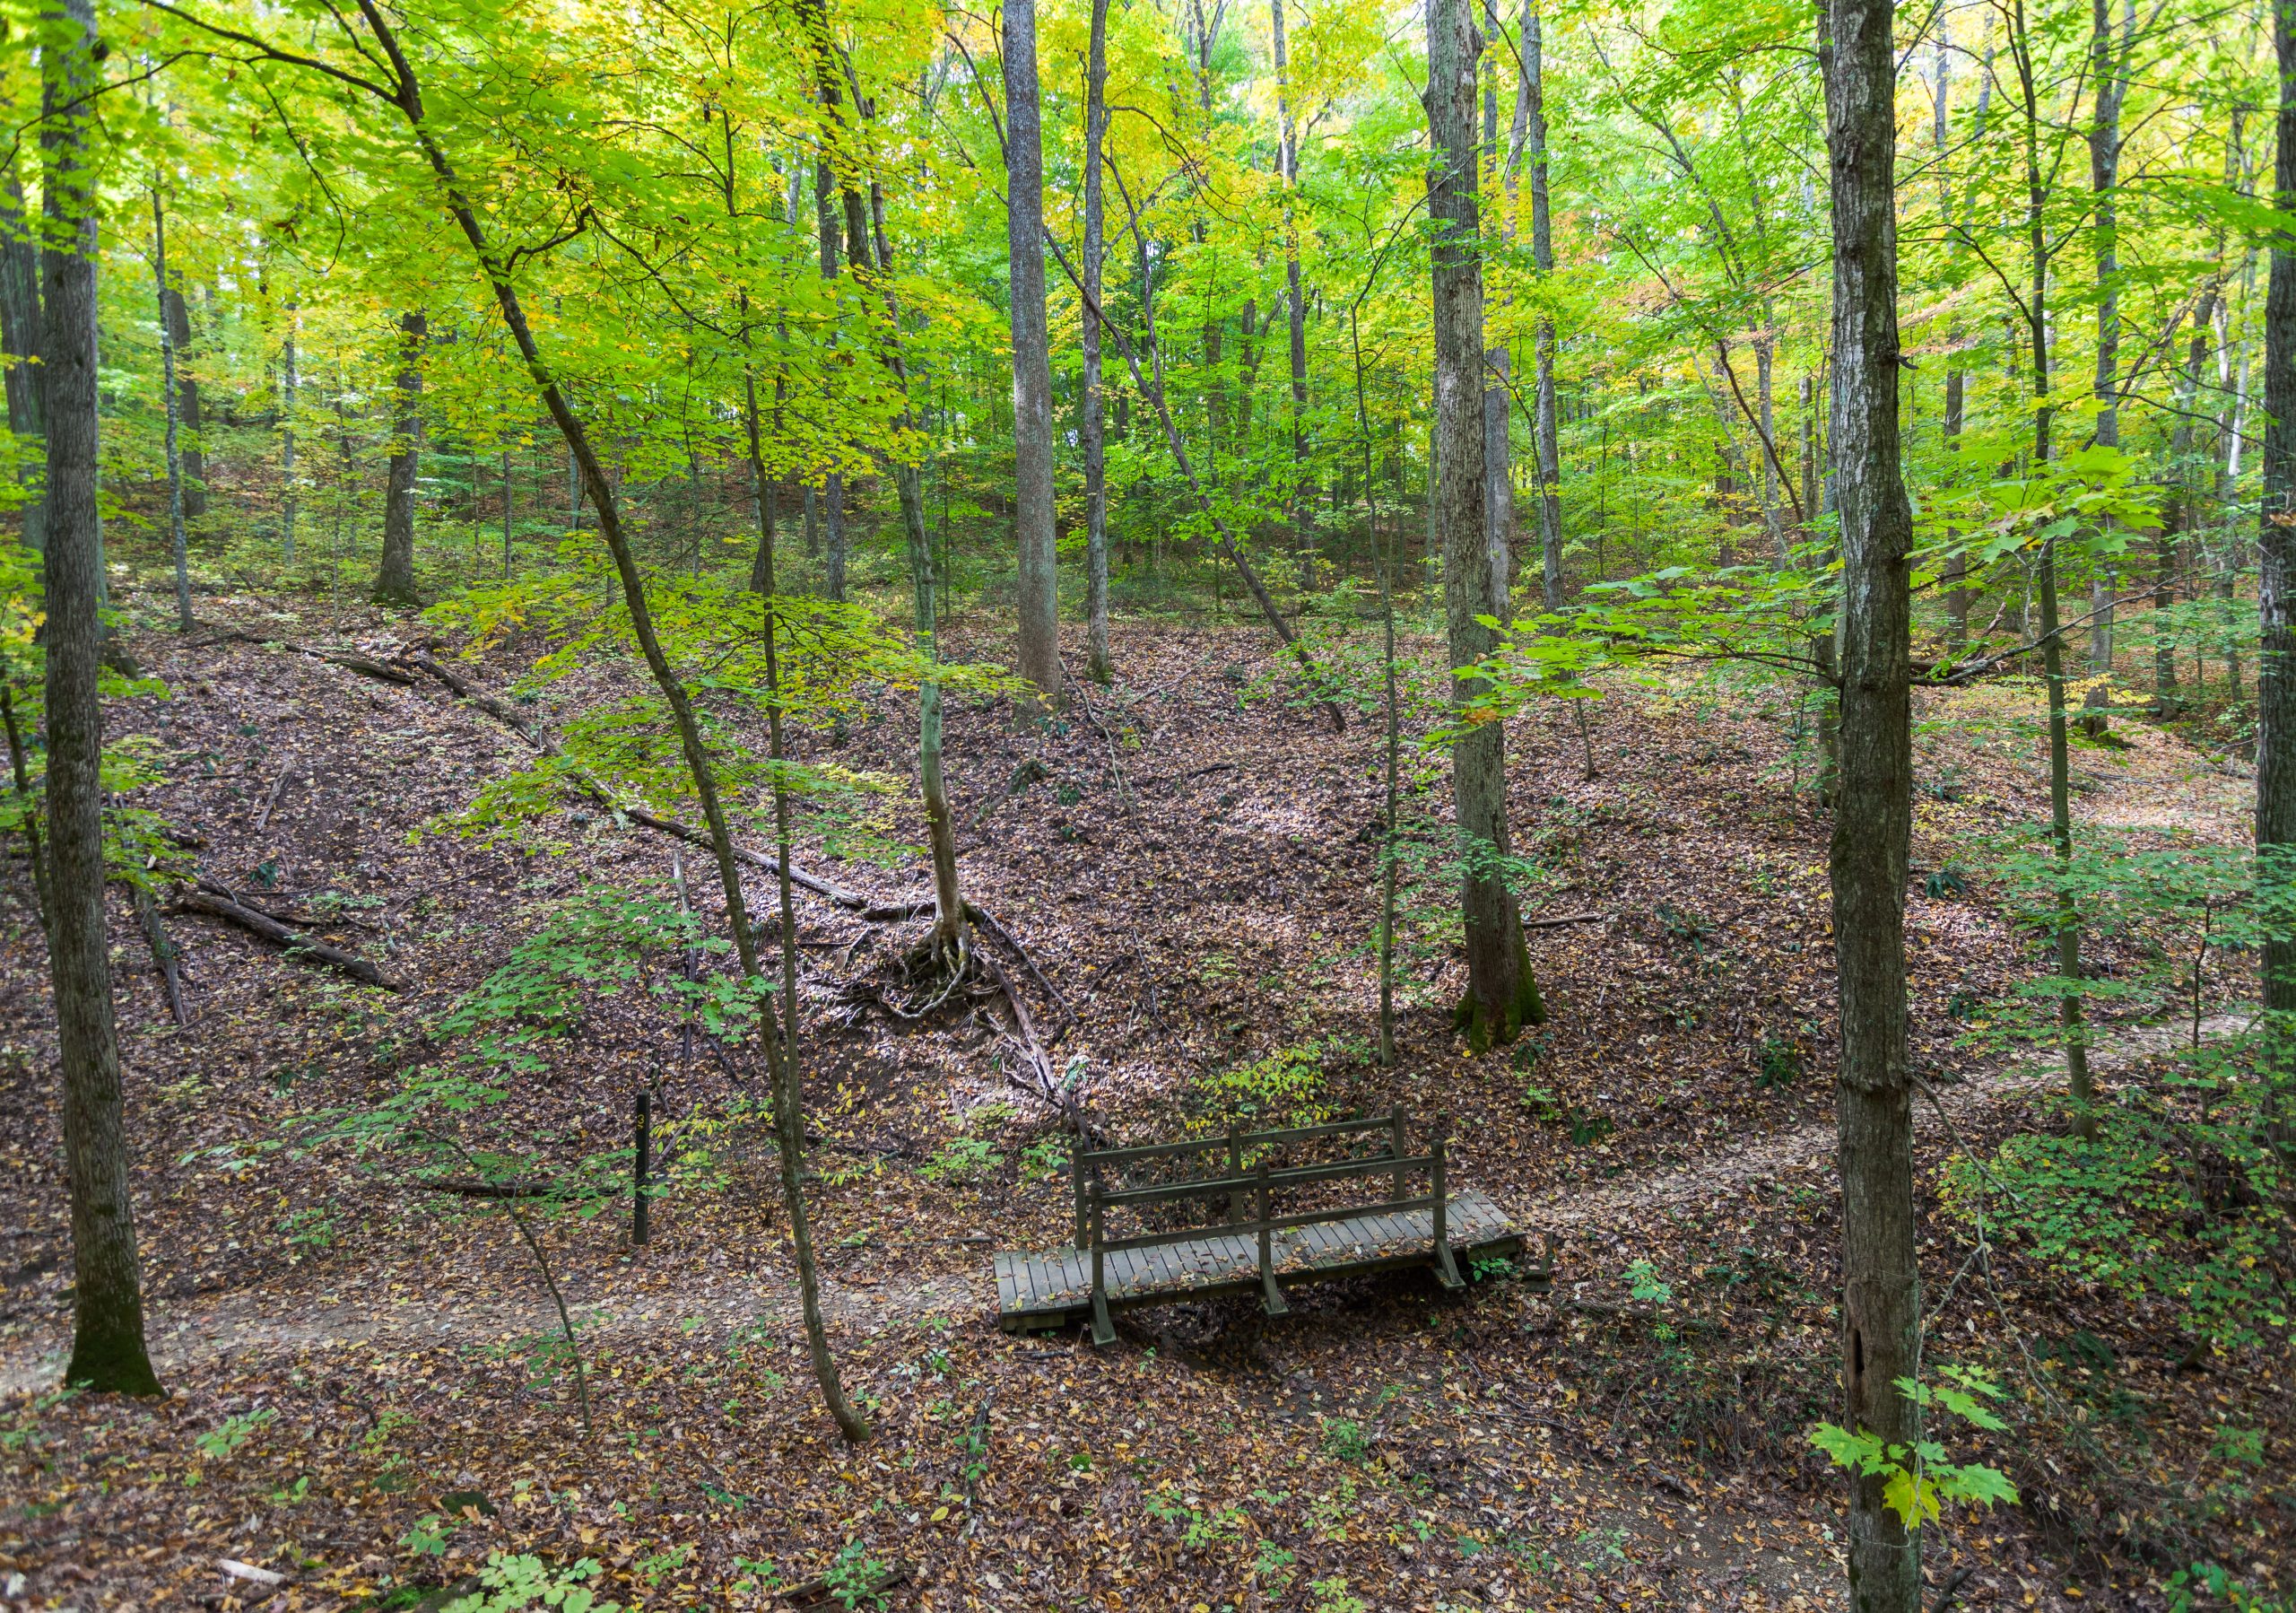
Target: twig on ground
{"type": "Point", "coordinates": [198, 900]}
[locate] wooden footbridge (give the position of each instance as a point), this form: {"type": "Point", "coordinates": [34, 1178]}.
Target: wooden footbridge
{"type": "Point", "coordinates": [1235, 1234]}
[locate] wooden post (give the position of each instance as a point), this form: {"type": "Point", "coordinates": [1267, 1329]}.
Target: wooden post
{"type": "Point", "coordinates": [1076, 1179]}
{"type": "Point", "coordinates": [639, 1228]}
{"type": "Point", "coordinates": [1447, 1270]}
{"type": "Point", "coordinates": [1398, 1135]}
{"type": "Point", "coordinates": [1235, 1169]}
{"type": "Point", "coordinates": [1271, 1296]}
{"type": "Point", "coordinates": [1103, 1329]}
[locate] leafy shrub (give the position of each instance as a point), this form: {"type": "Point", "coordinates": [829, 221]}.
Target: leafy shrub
{"type": "Point", "coordinates": [1346, 1440]}
{"type": "Point", "coordinates": [1918, 1479]}
{"type": "Point", "coordinates": [1284, 1088]}
{"type": "Point", "coordinates": [962, 1160]}
{"type": "Point", "coordinates": [511, 1583]}
{"type": "Point", "coordinates": [1781, 1063]}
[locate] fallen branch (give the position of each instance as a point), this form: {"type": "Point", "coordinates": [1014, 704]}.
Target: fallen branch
{"type": "Point", "coordinates": [462, 688]}
{"type": "Point", "coordinates": [1116, 768]}
{"type": "Point", "coordinates": [199, 900]}
{"type": "Point", "coordinates": [365, 665]}
{"type": "Point", "coordinates": [1193, 772]}
{"type": "Point", "coordinates": [815, 1593]}
{"type": "Point", "coordinates": [1557, 923]}
{"type": "Point", "coordinates": [163, 953]}
{"type": "Point", "coordinates": [472, 1187]}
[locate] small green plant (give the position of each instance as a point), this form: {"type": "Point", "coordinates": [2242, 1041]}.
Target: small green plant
{"type": "Point", "coordinates": [1283, 1088]}
{"type": "Point", "coordinates": [511, 1583]}
{"type": "Point", "coordinates": [652, 1568]}
{"type": "Point", "coordinates": [1541, 1103]}
{"type": "Point", "coordinates": [962, 1160]}
{"type": "Point", "coordinates": [1643, 1282]}
{"type": "Point", "coordinates": [1331, 1596]}
{"type": "Point", "coordinates": [1781, 1063]}
{"type": "Point", "coordinates": [308, 1228]}
{"type": "Point", "coordinates": [1945, 884]}
{"type": "Point", "coordinates": [1589, 1126]}
{"type": "Point", "coordinates": [1044, 1159]}
{"type": "Point", "coordinates": [1328, 1514]}
{"type": "Point", "coordinates": [1346, 1440]}
{"type": "Point", "coordinates": [1488, 1267]}
{"type": "Point", "coordinates": [1275, 1568]}
{"type": "Point", "coordinates": [428, 1537]}
{"type": "Point", "coordinates": [226, 1437]}
{"type": "Point", "coordinates": [853, 1580]}
{"type": "Point", "coordinates": [1918, 1479]}
{"type": "Point", "coordinates": [294, 1494]}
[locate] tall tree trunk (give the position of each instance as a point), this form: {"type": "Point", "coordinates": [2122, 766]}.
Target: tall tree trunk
{"type": "Point", "coordinates": [19, 325]}
{"type": "Point", "coordinates": [507, 493]}
{"type": "Point", "coordinates": [2181, 515]}
{"type": "Point", "coordinates": [2068, 924]}
{"type": "Point", "coordinates": [2276, 584]}
{"type": "Point", "coordinates": [1498, 466]}
{"type": "Point", "coordinates": [1956, 410]}
{"type": "Point", "coordinates": [175, 310]}
{"type": "Point", "coordinates": [1881, 1280]}
{"type": "Point", "coordinates": [1036, 579]}
{"type": "Point", "coordinates": [107, 1351]}
{"type": "Point", "coordinates": [395, 578]}
{"type": "Point", "coordinates": [1295, 302]}
{"type": "Point", "coordinates": [168, 402]}
{"type": "Point", "coordinates": [289, 385]}
{"type": "Point", "coordinates": [1549, 447]}
{"type": "Point", "coordinates": [1501, 996]}
{"type": "Point", "coordinates": [2109, 67]}
{"type": "Point", "coordinates": [1092, 432]}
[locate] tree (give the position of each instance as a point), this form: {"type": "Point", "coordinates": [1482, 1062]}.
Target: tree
{"type": "Point", "coordinates": [1531, 115]}
{"type": "Point", "coordinates": [395, 577]}
{"type": "Point", "coordinates": [1874, 812]}
{"type": "Point", "coordinates": [2276, 583]}
{"type": "Point", "coordinates": [108, 1350]}
{"type": "Point", "coordinates": [1093, 425]}
{"type": "Point", "coordinates": [169, 396]}
{"type": "Point", "coordinates": [1501, 996]}
{"type": "Point", "coordinates": [1036, 579]}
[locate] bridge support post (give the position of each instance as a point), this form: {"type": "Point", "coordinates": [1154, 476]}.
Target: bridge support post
{"type": "Point", "coordinates": [1447, 1270]}
{"type": "Point", "coordinates": [1271, 1295]}
{"type": "Point", "coordinates": [1103, 1329]}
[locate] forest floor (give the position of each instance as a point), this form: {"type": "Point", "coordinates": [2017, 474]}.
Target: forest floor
{"type": "Point", "coordinates": [365, 1400]}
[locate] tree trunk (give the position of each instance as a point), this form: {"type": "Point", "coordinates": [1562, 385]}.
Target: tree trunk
{"type": "Point", "coordinates": [2277, 581]}
{"type": "Point", "coordinates": [1549, 447]}
{"type": "Point", "coordinates": [169, 406]}
{"type": "Point", "coordinates": [1501, 996]}
{"type": "Point", "coordinates": [1091, 433]}
{"type": "Point", "coordinates": [1295, 302]}
{"type": "Point", "coordinates": [1036, 579]}
{"type": "Point", "coordinates": [175, 315]}
{"type": "Point", "coordinates": [19, 324]}
{"type": "Point", "coordinates": [1498, 468]}
{"type": "Point", "coordinates": [2037, 335]}
{"type": "Point", "coordinates": [1956, 411]}
{"type": "Point", "coordinates": [1880, 1281]}
{"type": "Point", "coordinates": [395, 578]}
{"type": "Point", "coordinates": [2109, 68]}
{"type": "Point", "coordinates": [290, 384]}
{"type": "Point", "coordinates": [2181, 514]}
{"type": "Point", "coordinates": [107, 1351]}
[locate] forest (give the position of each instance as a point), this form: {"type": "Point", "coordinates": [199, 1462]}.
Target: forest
{"type": "Point", "coordinates": [1148, 804]}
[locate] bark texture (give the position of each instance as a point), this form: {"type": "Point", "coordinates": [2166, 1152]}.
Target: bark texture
{"type": "Point", "coordinates": [395, 578]}
{"type": "Point", "coordinates": [1502, 995]}
{"type": "Point", "coordinates": [1092, 428]}
{"type": "Point", "coordinates": [1874, 814]}
{"type": "Point", "coordinates": [21, 336]}
{"type": "Point", "coordinates": [107, 1351]}
{"type": "Point", "coordinates": [1037, 581]}
{"type": "Point", "coordinates": [2276, 552]}
{"type": "Point", "coordinates": [176, 313]}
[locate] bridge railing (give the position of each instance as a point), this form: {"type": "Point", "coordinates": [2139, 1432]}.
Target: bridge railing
{"type": "Point", "coordinates": [1257, 1188]}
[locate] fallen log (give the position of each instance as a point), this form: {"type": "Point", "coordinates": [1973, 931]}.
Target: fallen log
{"type": "Point", "coordinates": [1557, 923]}
{"type": "Point", "coordinates": [365, 665]}
{"type": "Point", "coordinates": [200, 900]}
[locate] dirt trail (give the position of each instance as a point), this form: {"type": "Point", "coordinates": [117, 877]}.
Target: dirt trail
{"type": "Point", "coordinates": [260, 1324]}
{"type": "Point", "coordinates": [1765, 1159]}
